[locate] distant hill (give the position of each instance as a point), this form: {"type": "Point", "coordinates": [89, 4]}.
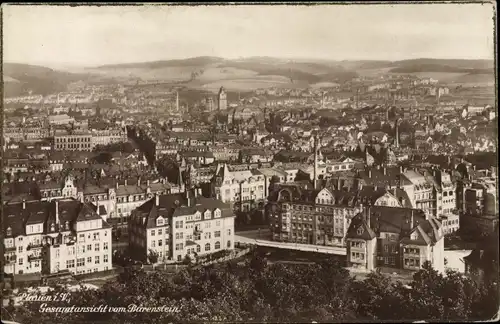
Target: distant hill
{"type": "Point", "coordinates": [440, 65]}
{"type": "Point", "coordinates": [194, 61]}
{"type": "Point", "coordinates": [19, 79]}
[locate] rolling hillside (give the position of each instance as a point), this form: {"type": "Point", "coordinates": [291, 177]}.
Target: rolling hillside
{"type": "Point", "coordinates": [240, 74]}
{"type": "Point", "coordinates": [20, 79]}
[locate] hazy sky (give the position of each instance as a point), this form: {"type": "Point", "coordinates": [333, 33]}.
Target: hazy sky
{"type": "Point", "coordinates": [93, 36]}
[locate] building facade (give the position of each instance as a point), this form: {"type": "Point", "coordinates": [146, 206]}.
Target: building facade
{"type": "Point", "coordinates": [179, 225]}
{"type": "Point", "coordinates": [53, 237]}
{"type": "Point", "coordinates": [399, 238]}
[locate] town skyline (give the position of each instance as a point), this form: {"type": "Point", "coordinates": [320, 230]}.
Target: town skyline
{"type": "Point", "coordinates": [165, 33]}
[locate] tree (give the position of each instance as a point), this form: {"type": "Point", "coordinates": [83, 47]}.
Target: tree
{"type": "Point", "coordinates": [152, 257]}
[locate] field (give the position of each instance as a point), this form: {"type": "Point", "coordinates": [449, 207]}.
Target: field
{"type": "Point", "coordinates": [244, 74]}
{"type": "Point", "coordinates": [246, 84]}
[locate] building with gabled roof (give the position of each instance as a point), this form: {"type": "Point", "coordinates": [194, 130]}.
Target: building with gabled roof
{"type": "Point", "coordinates": [51, 237]}
{"type": "Point", "coordinates": [399, 238]}
{"type": "Point", "coordinates": [173, 226]}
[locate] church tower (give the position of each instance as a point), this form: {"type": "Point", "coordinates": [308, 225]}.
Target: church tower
{"type": "Point", "coordinates": [222, 98]}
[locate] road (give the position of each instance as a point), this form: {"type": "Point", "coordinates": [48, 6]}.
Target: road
{"type": "Point", "coordinates": [262, 238]}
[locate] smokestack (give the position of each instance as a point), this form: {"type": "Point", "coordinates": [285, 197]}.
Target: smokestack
{"type": "Point", "coordinates": [57, 212]}
{"type": "Point", "coordinates": [315, 161]}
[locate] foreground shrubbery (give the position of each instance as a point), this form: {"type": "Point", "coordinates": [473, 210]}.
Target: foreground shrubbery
{"type": "Point", "coordinates": [278, 293]}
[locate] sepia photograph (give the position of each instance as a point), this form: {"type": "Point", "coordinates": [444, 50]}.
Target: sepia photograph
{"type": "Point", "coordinates": [249, 163]}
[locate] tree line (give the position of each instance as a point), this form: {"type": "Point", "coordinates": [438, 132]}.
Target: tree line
{"type": "Point", "coordinates": [258, 291]}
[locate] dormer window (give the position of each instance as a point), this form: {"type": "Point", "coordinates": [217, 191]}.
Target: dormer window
{"type": "Point", "coordinates": [207, 214]}
{"type": "Point", "coordinates": [9, 231]}
{"type": "Point", "coordinates": [217, 213]}
{"type": "Point", "coordinates": [160, 221]}
{"type": "Point", "coordinates": [360, 231]}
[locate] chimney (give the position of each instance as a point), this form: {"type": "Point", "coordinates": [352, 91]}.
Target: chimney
{"type": "Point", "coordinates": [125, 182]}
{"type": "Point", "coordinates": [57, 212]}
{"type": "Point", "coordinates": [411, 220]}
{"type": "Point", "coordinates": [157, 200]}
{"type": "Point", "coordinates": [474, 167]}
{"type": "Point", "coordinates": [400, 200]}
{"type": "Point", "coordinates": [147, 182]}
{"type": "Point", "coordinates": [400, 169]}
{"type": "Point", "coordinates": [368, 217]}
{"type": "Point", "coordinates": [189, 198]}
{"type": "Point", "coordinates": [385, 171]}
{"type": "Point", "coordinates": [370, 173]}
{"type": "Point", "coordinates": [375, 188]}
{"type": "Point", "coordinates": [138, 181]}
{"type": "Point", "coordinates": [24, 203]}
{"type": "Point", "coordinates": [116, 183]}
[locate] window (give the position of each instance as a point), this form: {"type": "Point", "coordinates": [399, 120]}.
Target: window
{"type": "Point", "coordinates": [89, 260]}
{"type": "Point", "coordinates": [160, 242]}
{"type": "Point", "coordinates": [198, 248]}
{"type": "Point", "coordinates": [105, 258]}
{"type": "Point", "coordinates": [207, 247]}
{"type": "Point", "coordinates": [217, 233]}
{"type": "Point", "coordinates": [70, 264]}
{"type": "Point", "coordinates": [160, 232]}
{"type": "Point", "coordinates": [105, 247]}
{"type": "Point", "coordinates": [153, 233]}
{"type": "Point", "coordinates": [153, 243]}
{"type": "Point", "coordinates": [229, 244]}
{"type": "Point", "coordinates": [80, 262]}
{"type": "Point", "coordinates": [20, 261]}
{"type": "Point", "coordinates": [217, 223]}
{"type": "Point", "coordinates": [217, 245]}
{"type": "Point", "coordinates": [229, 231]}
{"type": "Point", "coordinates": [97, 259]}
{"type": "Point", "coordinates": [96, 247]}
{"type": "Point", "coordinates": [20, 249]}
{"type": "Point", "coordinates": [89, 247]}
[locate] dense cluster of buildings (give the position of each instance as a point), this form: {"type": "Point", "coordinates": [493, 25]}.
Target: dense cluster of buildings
{"type": "Point", "coordinates": [334, 167]}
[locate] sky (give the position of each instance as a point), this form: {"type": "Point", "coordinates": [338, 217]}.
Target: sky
{"type": "Point", "coordinates": [91, 36]}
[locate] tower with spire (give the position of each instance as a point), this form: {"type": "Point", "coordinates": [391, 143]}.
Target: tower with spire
{"type": "Point", "coordinates": [222, 99]}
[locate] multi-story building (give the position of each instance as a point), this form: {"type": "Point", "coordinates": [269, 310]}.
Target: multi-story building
{"type": "Point", "coordinates": [51, 237]}
{"type": "Point", "coordinates": [243, 189]}
{"type": "Point", "coordinates": [73, 141]}
{"type": "Point", "coordinates": [176, 225]}
{"type": "Point", "coordinates": [421, 192]}
{"type": "Point", "coordinates": [62, 119]}
{"type": "Point", "coordinates": [399, 238]}
{"type": "Point", "coordinates": [119, 198]}
{"type": "Point", "coordinates": [108, 136]}
{"type": "Point", "coordinates": [319, 216]}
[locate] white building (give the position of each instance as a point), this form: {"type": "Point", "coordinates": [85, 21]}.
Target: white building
{"type": "Point", "coordinates": [245, 188]}
{"type": "Point", "coordinates": [173, 226]}
{"type": "Point", "coordinates": [60, 236]}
